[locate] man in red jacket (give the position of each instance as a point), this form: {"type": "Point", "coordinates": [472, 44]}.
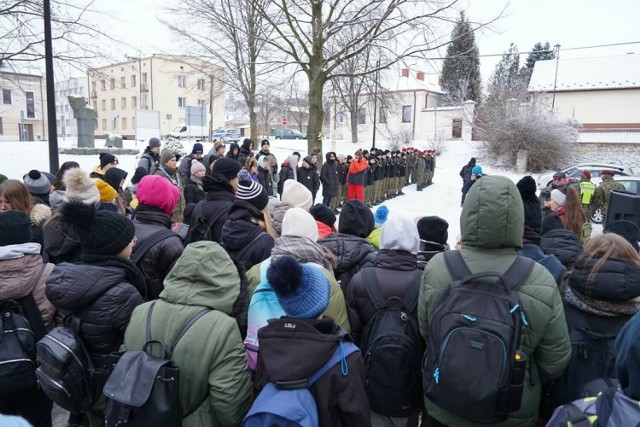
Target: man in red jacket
{"type": "Point", "coordinates": [356, 177]}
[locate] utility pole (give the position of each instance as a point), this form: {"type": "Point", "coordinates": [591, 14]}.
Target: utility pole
{"type": "Point", "coordinates": [375, 103]}
{"type": "Point", "coordinates": [51, 95]}
{"type": "Point", "coordinates": [555, 80]}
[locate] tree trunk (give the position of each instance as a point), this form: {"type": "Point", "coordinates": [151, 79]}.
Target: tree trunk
{"type": "Point", "coordinates": [353, 115]}
{"type": "Point", "coordinates": [316, 112]}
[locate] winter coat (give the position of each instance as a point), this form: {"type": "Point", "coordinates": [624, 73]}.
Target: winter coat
{"type": "Point", "coordinates": [273, 163]}
{"type": "Point", "coordinates": [342, 173]}
{"type": "Point", "coordinates": [22, 273]}
{"type": "Point", "coordinates": [357, 172]}
{"type": "Point", "coordinates": [352, 254]}
{"type": "Point", "coordinates": [395, 271]}
{"type": "Point", "coordinates": [309, 178]}
{"type": "Point", "coordinates": [185, 167]}
{"type": "Point", "coordinates": [56, 198]}
{"type": "Point", "coordinates": [264, 178]}
{"type": "Point", "coordinates": [625, 410]}
{"type": "Point", "coordinates": [158, 260]}
{"type": "Point", "coordinates": [174, 178]}
{"type": "Point", "coordinates": [149, 161]}
{"type": "Point", "coordinates": [492, 229]}
{"type": "Point", "coordinates": [210, 355]}
{"type": "Point", "coordinates": [564, 244]}
{"type": "Point", "coordinates": [286, 172]}
{"type": "Point", "coordinates": [341, 398]}
{"type": "Point", "coordinates": [219, 197]}
{"type": "Point", "coordinates": [428, 250]}
{"type": "Point", "coordinates": [102, 298]}
{"type": "Point", "coordinates": [243, 154]}
{"type": "Point", "coordinates": [193, 191]}
{"type": "Point", "coordinates": [39, 214]}
{"type": "Point", "coordinates": [245, 241]}
{"type": "Point", "coordinates": [232, 147]}
{"type": "Point", "coordinates": [550, 262]}
{"type": "Point", "coordinates": [60, 244]}
{"type": "Point", "coordinates": [330, 177]}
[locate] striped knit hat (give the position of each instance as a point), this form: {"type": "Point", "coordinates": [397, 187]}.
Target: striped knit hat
{"type": "Point", "coordinates": [252, 192]}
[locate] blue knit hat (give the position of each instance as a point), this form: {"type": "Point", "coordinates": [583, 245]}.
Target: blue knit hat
{"type": "Point", "coordinates": [381, 215]}
{"type": "Point", "coordinates": [302, 289]}
{"type": "Point", "coordinates": [477, 170]}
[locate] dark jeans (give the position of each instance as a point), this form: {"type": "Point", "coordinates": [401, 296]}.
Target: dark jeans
{"type": "Point", "coordinates": [31, 404]}
{"type": "Point", "coordinates": [326, 200]}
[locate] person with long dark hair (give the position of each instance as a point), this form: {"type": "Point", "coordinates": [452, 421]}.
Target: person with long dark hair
{"type": "Point", "coordinates": [57, 195]}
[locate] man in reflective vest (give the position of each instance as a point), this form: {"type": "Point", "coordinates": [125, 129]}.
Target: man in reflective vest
{"type": "Point", "coordinates": [587, 189]}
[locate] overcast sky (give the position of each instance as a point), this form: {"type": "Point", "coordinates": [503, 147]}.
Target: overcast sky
{"type": "Point", "coordinates": [571, 23]}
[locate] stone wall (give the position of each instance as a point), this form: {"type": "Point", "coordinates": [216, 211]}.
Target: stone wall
{"type": "Point", "coordinates": [627, 155]}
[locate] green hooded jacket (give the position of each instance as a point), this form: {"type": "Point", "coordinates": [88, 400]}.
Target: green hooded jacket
{"type": "Point", "coordinates": [492, 224]}
{"type": "Point", "coordinates": [210, 355]}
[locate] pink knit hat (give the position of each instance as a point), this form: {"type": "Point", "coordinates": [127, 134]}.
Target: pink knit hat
{"type": "Point", "coordinates": [157, 191]}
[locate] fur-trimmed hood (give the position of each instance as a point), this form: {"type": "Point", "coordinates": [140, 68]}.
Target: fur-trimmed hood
{"type": "Point", "coordinates": [39, 213]}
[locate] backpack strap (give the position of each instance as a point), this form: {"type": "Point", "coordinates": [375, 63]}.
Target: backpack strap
{"type": "Point", "coordinates": [372, 286]}
{"type": "Point", "coordinates": [456, 265]}
{"type": "Point", "coordinates": [518, 272]}
{"type": "Point", "coordinates": [188, 325]}
{"type": "Point", "coordinates": [157, 237]}
{"type": "Point", "coordinates": [31, 310]}
{"type": "Point", "coordinates": [153, 304]}
{"type": "Point", "coordinates": [345, 348]}
{"type": "Point", "coordinates": [410, 300]}
{"type": "Point", "coordinates": [576, 417]}
{"type": "Point", "coordinates": [249, 245]}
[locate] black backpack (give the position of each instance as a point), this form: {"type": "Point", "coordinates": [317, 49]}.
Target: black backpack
{"type": "Point", "coordinates": [21, 326]}
{"type": "Point", "coordinates": [143, 390]}
{"type": "Point", "coordinates": [393, 349]}
{"type": "Point", "coordinates": [200, 228]}
{"type": "Point", "coordinates": [473, 366]}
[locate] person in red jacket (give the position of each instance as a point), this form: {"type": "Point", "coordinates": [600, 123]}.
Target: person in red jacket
{"type": "Point", "coordinates": [356, 177]}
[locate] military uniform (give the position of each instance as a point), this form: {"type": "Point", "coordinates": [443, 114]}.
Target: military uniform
{"type": "Point", "coordinates": [601, 195]}
{"type": "Point", "coordinates": [420, 171]}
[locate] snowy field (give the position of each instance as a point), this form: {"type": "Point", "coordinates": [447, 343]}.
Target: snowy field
{"type": "Point", "coordinates": [441, 199]}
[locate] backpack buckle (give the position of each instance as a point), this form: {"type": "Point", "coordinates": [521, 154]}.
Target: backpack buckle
{"type": "Point", "coordinates": [292, 385]}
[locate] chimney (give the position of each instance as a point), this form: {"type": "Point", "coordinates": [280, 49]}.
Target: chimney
{"type": "Point", "coordinates": [420, 75]}
{"type": "Point", "coordinates": [405, 72]}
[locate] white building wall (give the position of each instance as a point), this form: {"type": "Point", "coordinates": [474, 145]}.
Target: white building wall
{"type": "Point", "coordinates": [66, 124]}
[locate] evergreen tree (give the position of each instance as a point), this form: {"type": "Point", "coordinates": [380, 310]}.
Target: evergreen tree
{"type": "Point", "coordinates": [540, 52]}
{"type": "Point", "coordinates": [507, 82]}
{"type": "Point", "coordinates": [461, 67]}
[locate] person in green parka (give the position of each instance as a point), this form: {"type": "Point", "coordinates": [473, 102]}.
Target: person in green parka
{"type": "Point", "coordinates": [210, 355]}
{"type": "Point", "coordinates": [168, 169]}
{"type": "Point", "coordinates": [492, 224]}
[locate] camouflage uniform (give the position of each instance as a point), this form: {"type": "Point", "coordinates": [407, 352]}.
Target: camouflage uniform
{"type": "Point", "coordinates": [601, 196]}
{"type": "Point", "coordinates": [420, 171]}
{"type": "Point", "coordinates": [378, 178]}
{"type": "Point", "coordinates": [433, 167]}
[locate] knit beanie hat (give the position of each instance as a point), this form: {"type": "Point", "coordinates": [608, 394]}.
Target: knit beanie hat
{"type": "Point", "coordinates": [156, 191]}
{"type": "Point", "coordinates": [217, 145]}
{"type": "Point", "coordinates": [36, 182]}
{"type": "Point", "coordinates": [381, 215]}
{"type": "Point", "coordinates": [197, 148]}
{"type": "Point", "coordinates": [551, 222]}
{"type": "Point", "coordinates": [227, 167]}
{"type": "Point", "coordinates": [302, 289]}
{"type": "Point", "coordinates": [296, 194]}
{"type": "Point", "coordinates": [477, 170]}
{"type": "Point", "coordinates": [100, 232]}
{"type": "Point", "coordinates": [252, 192]}
{"type": "Point", "coordinates": [265, 142]}
{"type": "Point", "coordinates": [166, 155]}
{"type": "Point", "coordinates": [15, 228]}
{"type": "Point", "coordinates": [433, 229]}
{"type": "Point", "coordinates": [138, 175]}
{"type": "Point", "coordinates": [298, 222]}
{"type": "Point", "coordinates": [80, 187]}
{"type": "Point", "coordinates": [197, 166]}
{"type": "Point", "coordinates": [400, 234]}
{"type": "Point", "coordinates": [323, 213]}
{"type": "Point", "coordinates": [106, 158]}
{"type": "Point", "coordinates": [558, 197]}
{"type": "Point", "coordinates": [627, 229]}
{"type": "Point", "coordinates": [51, 177]}
{"type": "Point", "coordinates": [356, 219]}
{"type": "Point", "coordinates": [532, 208]}
{"type": "Point", "coordinates": [154, 142]}
{"type": "Point", "coordinates": [107, 193]}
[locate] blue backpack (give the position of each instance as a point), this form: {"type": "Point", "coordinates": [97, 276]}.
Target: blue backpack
{"type": "Point", "coordinates": [292, 404]}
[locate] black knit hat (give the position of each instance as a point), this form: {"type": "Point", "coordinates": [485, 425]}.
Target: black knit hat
{"type": "Point", "coordinates": [323, 213]}
{"type": "Point", "coordinates": [227, 167]}
{"type": "Point", "coordinates": [15, 228]}
{"type": "Point", "coordinates": [100, 232]}
{"type": "Point", "coordinates": [356, 219]}
{"type": "Point", "coordinates": [106, 158]}
{"type": "Point", "coordinates": [531, 203]}
{"type": "Point", "coordinates": [252, 192]}
{"type": "Point", "coordinates": [138, 175]}
{"type": "Point", "coordinates": [433, 229]}
{"type": "Point", "coordinates": [627, 229]}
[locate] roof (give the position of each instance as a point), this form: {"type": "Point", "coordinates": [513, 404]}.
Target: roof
{"type": "Point", "coordinates": [611, 72]}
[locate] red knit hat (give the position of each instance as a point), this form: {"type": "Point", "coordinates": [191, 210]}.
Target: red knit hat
{"type": "Point", "coordinates": [586, 173]}
{"type": "Point", "coordinates": [157, 191]}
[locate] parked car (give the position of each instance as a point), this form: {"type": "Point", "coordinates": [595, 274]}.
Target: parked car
{"type": "Point", "coordinates": [290, 134]}
{"type": "Point", "coordinates": [631, 184]}
{"type": "Point", "coordinates": [227, 135]}
{"type": "Point", "coordinates": [573, 173]}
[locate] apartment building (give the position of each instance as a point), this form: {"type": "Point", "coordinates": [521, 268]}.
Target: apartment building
{"type": "Point", "coordinates": [65, 123]}
{"type": "Point", "coordinates": [22, 107]}
{"type": "Point", "coordinates": [163, 83]}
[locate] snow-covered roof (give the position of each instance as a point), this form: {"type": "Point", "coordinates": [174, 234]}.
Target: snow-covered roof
{"type": "Point", "coordinates": [611, 72]}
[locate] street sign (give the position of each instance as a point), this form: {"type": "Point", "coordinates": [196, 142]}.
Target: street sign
{"type": "Point", "coordinates": [284, 121]}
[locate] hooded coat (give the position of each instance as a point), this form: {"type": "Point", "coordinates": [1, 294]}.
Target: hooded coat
{"type": "Point", "coordinates": [329, 176]}
{"type": "Point", "coordinates": [309, 177]}
{"type": "Point", "coordinates": [232, 147]}
{"type": "Point", "coordinates": [352, 253]}
{"type": "Point", "coordinates": [564, 244]}
{"type": "Point", "coordinates": [492, 225]}
{"type": "Point", "coordinates": [60, 244]}
{"type": "Point", "coordinates": [264, 176]}
{"type": "Point", "coordinates": [210, 355]}
{"type": "Point", "coordinates": [219, 197]}
{"type": "Point", "coordinates": [287, 171]}
{"type": "Point", "coordinates": [245, 152]}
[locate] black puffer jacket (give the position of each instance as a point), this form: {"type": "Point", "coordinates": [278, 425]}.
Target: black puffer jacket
{"type": "Point", "coordinates": [309, 178]}
{"type": "Point", "coordinates": [59, 243]}
{"type": "Point", "coordinates": [616, 280]}
{"type": "Point", "coordinates": [192, 192]}
{"type": "Point", "coordinates": [218, 198]}
{"type": "Point", "coordinates": [396, 273]}
{"type": "Point", "coordinates": [286, 172]}
{"type": "Point", "coordinates": [428, 250]}
{"type": "Point", "coordinates": [329, 176]}
{"type": "Point", "coordinates": [244, 240]}
{"type": "Point", "coordinates": [232, 147]}
{"type": "Point", "coordinates": [102, 296]}
{"type": "Point", "coordinates": [564, 244]}
{"type": "Point", "coordinates": [264, 177]}
{"type": "Point", "coordinates": [352, 253]}
{"type": "Point", "coordinates": [245, 151]}
{"type": "Point", "coordinates": [159, 260]}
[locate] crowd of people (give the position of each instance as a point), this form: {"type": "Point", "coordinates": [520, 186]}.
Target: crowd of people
{"type": "Point", "coordinates": [261, 293]}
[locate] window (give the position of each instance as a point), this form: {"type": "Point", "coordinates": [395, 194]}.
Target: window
{"type": "Point", "coordinates": [182, 102]}
{"type": "Point", "coordinates": [114, 123]}
{"type": "Point", "coordinates": [362, 116]}
{"type": "Point", "coordinates": [103, 85]}
{"type": "Point", "coordinates": [1, 128]}
{"type": "Point", "coordinates": [133, 122]}
{"type": "Point", "coordinates": [104, 124]}
{"type": "Point", "coordinates": [113, 103]}
{"type": "Point", "coordinates": [133, 80]}
{"type": "Point", "coordinates": [384, 112]}
{"type": "Point", "coordinates": [123, 102]}
{"type": "Point", "coordinates": [144, 77]}
{"type": "Point", "coordinates": [144, 102]}
{"type": "Point", "coordinates": [134, 101]}
{"type": "Point", "coordinates": [113, 83]}
{"type": "Point", "coordinates": [202, 103]}
{"type": "Point", "coordinates": [31, 108]}
{"type": "Point", "coordinates": [182, 81]}
{"type": "Point", "coordinates": [104, 105]}
{"type": "Point", "coordinates": [200, 84]}
{"type": "Point", "coordinates": [406, 114]}
{"type": "Point", "coordinates": [66, 122]}
{"type": "Point", "coordinates": [456, 128]}
{"type": "Point", "coordinates": [123, 83]}
{"type": "Point", "coordinates": [124, 123]}
{"type": "Point", "coordinates": [95, 105]}
{"type": "Point", "coordinates": [6, 96]}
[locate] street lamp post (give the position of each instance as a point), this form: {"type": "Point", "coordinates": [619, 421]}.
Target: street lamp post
{"type": "Point", "coordinates": [375, 103]}
{"type": "Point", "coordinates": [51, 96]}
{"type": "Point", "coordinates": [555, 80]}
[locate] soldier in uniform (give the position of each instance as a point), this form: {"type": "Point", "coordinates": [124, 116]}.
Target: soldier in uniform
{"type": "Point", "coordinates": [601, 196]}
{"type": "Point", "coordinates": [586, 189]}
{"type": "Point", "coordinates": [433, 166]}
{"type": "Point", "coordinates": [420, 171]}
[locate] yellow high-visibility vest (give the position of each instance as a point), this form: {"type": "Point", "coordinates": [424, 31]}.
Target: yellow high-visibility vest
{"type": "Point", "coordinates": [587, 190]}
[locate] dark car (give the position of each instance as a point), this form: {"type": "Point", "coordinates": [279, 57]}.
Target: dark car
{"type": "Point", "coordinates": [290, 134]}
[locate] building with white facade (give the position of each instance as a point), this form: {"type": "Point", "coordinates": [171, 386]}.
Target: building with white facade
{"type": "Point", "coordinates": [23, 114]}
{"type": "Point", "coordinates": [66, 125]}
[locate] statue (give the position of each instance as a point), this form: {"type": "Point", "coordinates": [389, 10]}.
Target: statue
{"type": "Point", "coordinates": [87, 119]}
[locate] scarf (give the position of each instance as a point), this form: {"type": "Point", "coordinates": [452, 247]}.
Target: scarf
{"type": "Point", "coordinates": [303, 249]}
{"type": "Point", "coordinates": [198, 182]}
{"type": "Point", "coordinates": [132, 273]}
{"type": "Point", "coordinates": [170, 174]}
{"type": "Point", "coordinates": [600, 307]}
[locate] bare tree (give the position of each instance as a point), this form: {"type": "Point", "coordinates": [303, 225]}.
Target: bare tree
{"type": "Point", "coordinates": [267, 112]}
{"type": "Point", "coordinates": [232, 34]}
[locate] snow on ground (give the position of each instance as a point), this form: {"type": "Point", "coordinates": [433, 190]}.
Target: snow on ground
{"type": "Point", "coordinates": [441, 199]}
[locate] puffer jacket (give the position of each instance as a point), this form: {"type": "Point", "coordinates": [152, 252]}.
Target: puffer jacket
{"type": "Point", "coordinates": [340, 394]}
{"type": "Point", "coordinates": [210, 355]}
{"type": "Point", "coordinates": [564, 244]}
{"type": "Point", "coordinates": [264, 177]}
{"type": "Point", "coordinates": [19, 266]}
{"type": "Point", "coordinates": [428, 250]}
{"type": "Point", "coordinates": [158, 260]}
{"type": "Point", "coordinates": [103, 299]}
{"type": "Point", "coordinates": [230, 152]}
{"type": "Point", "coordinates": [329, 176]}
{"type": "Point", "coordinates": [492, 225]}
{"type": "Point", "coordinates": [309, 178]}
{"type": "Point", "coordinates": [38, 214]}
{"type": "Point", "coordinates": [218, 198]}
{"type": "Point", "coordinates": [396, 273]}
{"type": "Point", "coordinates": [59, 243]}
{"type": "Point", "coordinates": [352, 254]}
{"type": "Point", "coordinates": [287, 171]}
{"type": "Point", "coordinates": [550, 262]}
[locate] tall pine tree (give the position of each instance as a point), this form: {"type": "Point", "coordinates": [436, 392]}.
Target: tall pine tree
{"type": "Point", "coordinates": [461, 68]}
{"type": "Point", "coordinates": [540, 52]}
{"type": "Point", "coordinates": [507, 82]}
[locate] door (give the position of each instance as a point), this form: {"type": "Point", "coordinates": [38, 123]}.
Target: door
{"type": "Point", "coordinates": [25, 131]}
